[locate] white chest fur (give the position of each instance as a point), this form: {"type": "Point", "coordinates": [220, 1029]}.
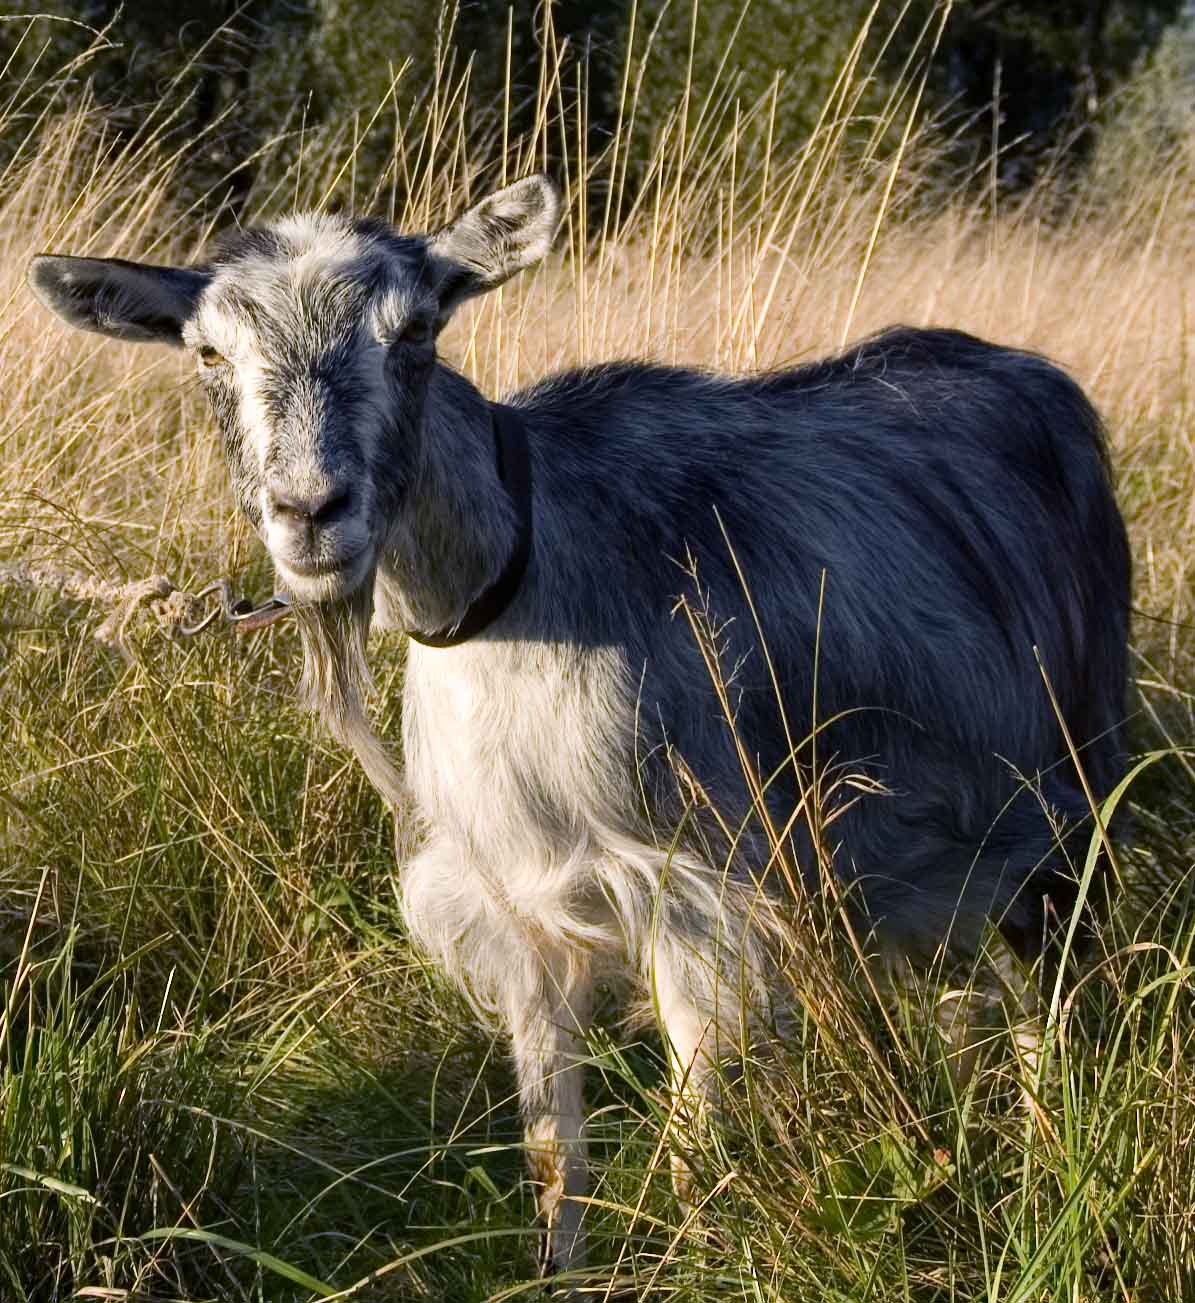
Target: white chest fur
{"type": "Point", "coordinates": [528, 740]}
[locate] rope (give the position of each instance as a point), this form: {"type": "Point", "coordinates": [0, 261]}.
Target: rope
{"type": "Point", "coordinates": [169, 608]}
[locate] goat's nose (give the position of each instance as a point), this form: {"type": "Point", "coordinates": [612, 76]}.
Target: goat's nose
{"type": "Point", "coordinates": [319, 508]}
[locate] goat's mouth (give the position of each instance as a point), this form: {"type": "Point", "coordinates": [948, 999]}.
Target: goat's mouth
{"type": "Point", "coordinates": [324, 579]}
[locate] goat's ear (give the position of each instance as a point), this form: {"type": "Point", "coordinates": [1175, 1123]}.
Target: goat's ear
{"type": "Point", "coordinates": [127, 300]}
{"type": "Point", "coordinates": [487, 244]}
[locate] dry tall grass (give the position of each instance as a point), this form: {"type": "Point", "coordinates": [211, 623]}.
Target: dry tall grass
{"type": "Point", "coordinates": [212, 1025]}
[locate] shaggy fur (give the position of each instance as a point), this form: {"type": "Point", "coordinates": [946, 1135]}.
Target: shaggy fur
{"type": "Point", "coordinates": [920, 518]}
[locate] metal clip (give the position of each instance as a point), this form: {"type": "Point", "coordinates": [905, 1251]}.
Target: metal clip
{"type": "Point", "coordinates": [237, 611]}
{"type": "Point", "coordinates": [258, 617]}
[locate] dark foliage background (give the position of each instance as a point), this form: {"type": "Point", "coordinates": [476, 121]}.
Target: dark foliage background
{"type": "Point", "coordinates": [1033, 78]}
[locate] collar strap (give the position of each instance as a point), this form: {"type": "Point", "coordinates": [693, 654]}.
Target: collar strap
{"type": "Point", "coordinates": [514, 470]}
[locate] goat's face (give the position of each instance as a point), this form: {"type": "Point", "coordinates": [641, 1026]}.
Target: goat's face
{"type": "Point", "coordinates": [315, 341]}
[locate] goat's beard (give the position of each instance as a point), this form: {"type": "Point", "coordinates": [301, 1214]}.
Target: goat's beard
{"type": "Point", "coordinates": [336, 680]}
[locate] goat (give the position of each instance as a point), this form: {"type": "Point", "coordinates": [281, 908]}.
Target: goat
{"type": "Point", "coordinates": [922, 517]}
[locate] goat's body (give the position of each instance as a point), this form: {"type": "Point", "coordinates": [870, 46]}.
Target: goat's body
{"type": "Point", "coordinates": [955, 497]}
{"type": "Point", "coordinates": [881, 554]}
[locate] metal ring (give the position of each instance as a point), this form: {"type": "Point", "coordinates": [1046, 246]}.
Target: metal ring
{"type": "Point", "coordinates": [218, 586]}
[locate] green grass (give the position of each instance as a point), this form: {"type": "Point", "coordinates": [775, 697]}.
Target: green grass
{"type": "Point", "coordinates": [225, 1075]}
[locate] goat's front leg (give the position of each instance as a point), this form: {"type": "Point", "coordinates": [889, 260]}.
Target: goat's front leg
{"type": "Point", "coordinates": [548, 1019]}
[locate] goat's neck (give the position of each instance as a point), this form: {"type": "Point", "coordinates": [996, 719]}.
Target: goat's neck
{"type": "Point", "coordinates": [456, 526]}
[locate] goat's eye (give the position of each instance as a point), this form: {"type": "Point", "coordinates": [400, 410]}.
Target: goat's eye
{"type": "Point", "coordinates": [209, 357]}
{"type": "Point", "coordinates": [416, 331]}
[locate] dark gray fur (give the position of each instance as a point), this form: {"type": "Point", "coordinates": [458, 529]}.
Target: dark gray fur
{"type": "Point", "coordinates": [956, 496]}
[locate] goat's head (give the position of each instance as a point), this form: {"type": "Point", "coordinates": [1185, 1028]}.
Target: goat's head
{"type": "Point", "coordinates": [315, 340]}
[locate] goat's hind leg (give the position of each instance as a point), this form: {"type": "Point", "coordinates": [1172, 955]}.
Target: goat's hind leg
{"type": "Point", "coordinates": [548, 1015]}
{"type": "Point", "coordinates": [1004, 985]}
{"type": "Point", "coordinates": [690, 1031]}
{"type": "Point", "coordinates": [1018, 990]}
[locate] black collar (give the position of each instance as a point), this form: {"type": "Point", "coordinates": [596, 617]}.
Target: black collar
{"type": "Point", "coordinates": [514, 470]}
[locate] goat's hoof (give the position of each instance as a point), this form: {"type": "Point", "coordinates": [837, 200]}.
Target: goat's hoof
{"type": "Point", "coordinates": [548, 1266]}
{"type": "Point", "coordinates": [550, 1269]}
